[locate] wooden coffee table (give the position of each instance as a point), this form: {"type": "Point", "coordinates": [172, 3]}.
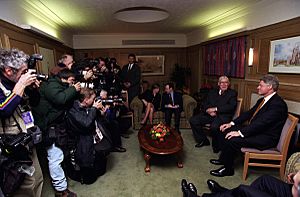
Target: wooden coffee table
{"type": "Point", "coordinates": [172, 145]}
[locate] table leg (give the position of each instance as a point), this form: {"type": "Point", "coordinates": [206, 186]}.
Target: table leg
{"type": "Point", "coordinates": [147, 158]}
{"type": "Point", "coordinates": [179, 159]}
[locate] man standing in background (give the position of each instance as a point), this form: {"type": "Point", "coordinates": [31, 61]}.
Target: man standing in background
{"type": "Point", "coordinates": [131, 77]}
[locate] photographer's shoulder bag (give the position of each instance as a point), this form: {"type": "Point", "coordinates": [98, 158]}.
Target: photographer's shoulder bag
{"type": "Point", "coordinates": [13, 161]}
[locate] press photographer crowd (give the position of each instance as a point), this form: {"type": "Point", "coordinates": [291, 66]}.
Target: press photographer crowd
{"type": "Point", "coordinates": [71, 119]}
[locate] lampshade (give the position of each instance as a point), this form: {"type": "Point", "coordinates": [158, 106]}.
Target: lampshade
{"type": "Point", "coordinates": [250, 57]}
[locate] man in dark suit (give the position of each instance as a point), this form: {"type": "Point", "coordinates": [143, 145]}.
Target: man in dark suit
{"type": "Point", "coordinates": [263, 186]}
{"type": "Point", "coordinates": [266, 120]}
{"type": "Point", "coordinates": [172, 103]}
{"type": "Point", "coordinates": [130, 77]}
{"type": "Point", "coordinates": [218, 109]}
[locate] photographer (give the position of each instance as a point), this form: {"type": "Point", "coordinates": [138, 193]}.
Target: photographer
{"type": "Point", "coordinates": [15, 80]}
{"type": "Point", "coordinates": [57, 97]}
{"type": "Point", "coordinates": [109, 120]}
{"type": "Point", "coordinates": [113, 77]}
{"type": "Point", "coordinates": [66, 61]}
{"type": "Point", "coordinates": [90, 144]}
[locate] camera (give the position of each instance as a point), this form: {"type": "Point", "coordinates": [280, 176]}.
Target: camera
{"type": "Point", "coordinates": [110, 100]}
{"type": "Point", "coordinates": [31, 62]}
{"type": "Point", "coordinates": [88, 62]}
{"type": "Point", "coordinates": [10, 143]}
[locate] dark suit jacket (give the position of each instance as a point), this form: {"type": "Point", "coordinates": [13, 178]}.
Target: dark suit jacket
{"type": "Point", "coordinates": [225, 103]}
{"type": "Point", "coordinates": [266, 126]}
{"type": "Point", "coordinates": [149, 97]}
{"type": "Point", "coordinates": [134, 77]}
{"type": "Point", "coordinates": [177, 101]}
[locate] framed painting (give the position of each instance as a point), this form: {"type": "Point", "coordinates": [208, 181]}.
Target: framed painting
{"type": "Point", "coordinates": [285, 55]}
{"type": "Point", "coordinates": [151, 64]}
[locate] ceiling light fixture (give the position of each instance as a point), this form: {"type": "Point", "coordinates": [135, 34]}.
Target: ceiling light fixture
{"type": "Point", "coordinates": [141, 14]}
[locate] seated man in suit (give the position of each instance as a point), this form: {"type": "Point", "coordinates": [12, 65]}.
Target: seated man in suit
{"type": "Point", "coordinates": [218, 109]}
{"type": "Point", "coordinates": [264, 186]}
{"type": "Point", "coordinates": [172, 103]}
{"type": "Point", "coordinates": [266, 119]}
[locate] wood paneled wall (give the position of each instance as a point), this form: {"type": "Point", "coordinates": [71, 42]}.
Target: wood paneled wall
{"type": "Point", "coordinates": [172, 56]}
{"type": "Point", "coordinates": [14, 37]}
{"type": "Point", "coordinates": [260, 40]}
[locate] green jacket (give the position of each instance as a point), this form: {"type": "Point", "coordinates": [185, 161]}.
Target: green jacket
{"type": "Point", "coordinates": [56, 98]}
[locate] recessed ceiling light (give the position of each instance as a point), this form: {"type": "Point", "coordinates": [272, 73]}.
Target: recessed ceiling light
{"type": "Point", "coordinates": [141, 14]}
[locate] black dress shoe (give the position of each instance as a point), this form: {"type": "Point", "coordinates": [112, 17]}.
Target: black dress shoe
{"type": "Point", "coordinates": [184, 188]}
{"type": "Point", "coordinates": [215, 187]}
{"type": "Point", "coordinates": [215, 162]}
{"type": "Point", "coordinates": [192, 188]}
{"type": "Point", "coordinates": [119, 149]}
{"type": "Point", "coordinates": [221, 172]}
{"type": "Point", "coordinates": [203, 143]}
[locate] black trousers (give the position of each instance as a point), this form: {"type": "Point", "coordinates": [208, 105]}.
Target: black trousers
{"type": "Point", "coordinates": [233, 146]}
{"type": "Point", "coordinates": [168, 117]}
{"type": "Point", "coordinates": [264, 186]}
{"type": "Point", "coordinates": [198, 121]}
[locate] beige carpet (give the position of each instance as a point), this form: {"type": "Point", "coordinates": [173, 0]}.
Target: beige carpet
{"type": "Point", "coordinates": [125, 176]}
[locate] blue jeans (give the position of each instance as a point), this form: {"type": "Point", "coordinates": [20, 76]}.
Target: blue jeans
{"type": "Point", "coordinates": [55, 158]}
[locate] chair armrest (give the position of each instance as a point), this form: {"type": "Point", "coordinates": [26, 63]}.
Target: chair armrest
{"type": "Point", "coordinates": [189, 104]}
{"type": "Point", "coordinates": [137, 106]}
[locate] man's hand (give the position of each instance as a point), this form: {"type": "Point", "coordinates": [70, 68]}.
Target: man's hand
{"type": "Point", "coordinates": [232, 134]}
{"type": "Point", "coordinates": [97, 104]}
{"type": "Point", "coordinates": [296, 181]}
{"type": "Point", "coordinates": [212, 111]}
{"type": "Point", "coordinates": [27, 78]}
{"type": "Point", "coordinates": [77, 86]}
{"type": "Point", "coordinates": [290, 177]}
{"type": "Point", "coordinates": [88, 75]}
{"type": "Point", "coordinates": [223, 127]}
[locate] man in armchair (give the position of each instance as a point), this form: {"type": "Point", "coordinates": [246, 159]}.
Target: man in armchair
{"type": "Point", "coordinates": [219, 108]}
{"type": "Point", "coordinates": [266, 119]}
{"type": "Point", "coordinates": [172, 103]}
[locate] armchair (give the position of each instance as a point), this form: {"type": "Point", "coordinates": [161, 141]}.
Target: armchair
{"type": "Point", "coordinates": [278, 154]}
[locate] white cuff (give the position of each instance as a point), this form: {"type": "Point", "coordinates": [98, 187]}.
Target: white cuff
{"type": "Point", "coordinates": [240, 133]}
{"type": "Point", "coordinates": [232, 123]}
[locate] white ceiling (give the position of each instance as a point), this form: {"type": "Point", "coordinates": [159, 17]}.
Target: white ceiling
{"type": "Point", "coordinates": [196, 20]}
{"type": "Point", "coordinates": [96, 16]}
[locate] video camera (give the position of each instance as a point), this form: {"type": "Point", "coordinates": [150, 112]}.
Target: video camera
{"type": "Point", "coordinates": [31, 62]}
{"type": "Point", "coordinates": [10, 143]}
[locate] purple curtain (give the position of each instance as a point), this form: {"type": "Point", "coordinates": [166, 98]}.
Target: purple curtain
{"type": "Point", "coordinates": [226, 58]}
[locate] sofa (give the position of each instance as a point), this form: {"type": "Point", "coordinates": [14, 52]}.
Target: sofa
{"type": "Point", "coordinates": [189, 104]}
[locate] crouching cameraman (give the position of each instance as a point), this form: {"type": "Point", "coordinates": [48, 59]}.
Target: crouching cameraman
{"type": "Point", "coordinates": [89, 141]}
{"type": "Point", "coordinates": [15, 80]}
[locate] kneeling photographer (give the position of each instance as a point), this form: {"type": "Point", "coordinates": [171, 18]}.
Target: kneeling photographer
{"type": "Point", "coordinates": [89, 141]}
{"type": "Point", "coordinates": [109, 119]}
{"type": "Point", "coordinates": [18, 90]}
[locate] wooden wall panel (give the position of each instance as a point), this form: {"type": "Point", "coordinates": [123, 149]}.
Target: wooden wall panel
{"type": "Point", "coordinates": [29, 42]}
{"type": "Point", "coordinates": [260, 40]}
{"type": "Point", "coordinates": [28, 48]}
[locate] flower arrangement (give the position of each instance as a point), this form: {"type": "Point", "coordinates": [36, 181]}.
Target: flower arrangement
{"type": "Point", "coordinates": [159, 131]}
